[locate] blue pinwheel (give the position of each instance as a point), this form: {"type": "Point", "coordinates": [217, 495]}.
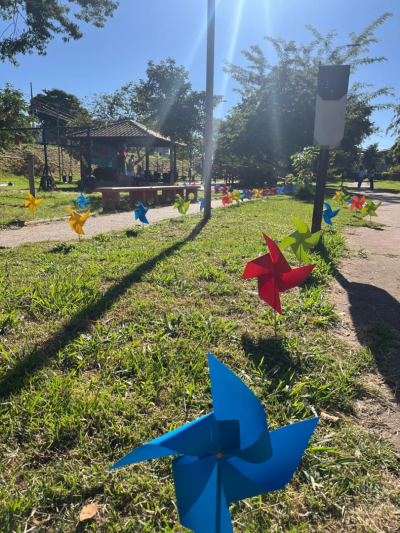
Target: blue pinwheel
{"type": "Point", "coordinates": [227, 455]}
{"type": "Point", "coordinates": [82, 201]}
{"type": "Point", "coordinates": [281, 190]}
{"type": "Point", "coordinates": [231, 189]}
{"type": "Point", "coordinates": [140, 213]}
{"type": "Point", "coordinates": [202, 204]}
{"type": "Point", "coordinates": [291, 187]}
{"type": "Point", "coordinates": [328, 214]}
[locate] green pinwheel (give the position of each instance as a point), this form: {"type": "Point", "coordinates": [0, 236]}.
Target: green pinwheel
{"type": "Point", "coordinates": [181, 205]}
{"type": "Point", "coordinates": [301, 240]}
{"type": "Point", "coordinates": [370, 209]}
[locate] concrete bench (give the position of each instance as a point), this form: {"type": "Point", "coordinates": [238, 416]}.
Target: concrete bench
{"type": "Point", "coordinates": [144, 193]}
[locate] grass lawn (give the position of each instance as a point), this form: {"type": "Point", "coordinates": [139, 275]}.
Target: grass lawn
{"type": "Point", "coordinates": [13, 210]}
{"type": "Point", "coordinates": [103, 347]}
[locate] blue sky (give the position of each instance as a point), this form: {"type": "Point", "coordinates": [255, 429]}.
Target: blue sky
{"type": "Point", "coordinates": [141, 30]}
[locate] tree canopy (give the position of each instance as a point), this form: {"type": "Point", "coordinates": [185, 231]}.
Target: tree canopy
{"type": "Point", "coordinates": [32, 24]}
{"type": "Point", "coordinates": [49, 103]}
{"type": "Point", "coordinates": [14, 113]}
{"type": "Point", "coordinates": [275, 116]}
{"type": "Point", "coordinates": [164, 101]}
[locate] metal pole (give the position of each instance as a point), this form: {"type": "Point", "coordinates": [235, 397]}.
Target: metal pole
{"type": "Point", "coordinates": [208, 133]}
{"type": "Point", "coordinates": [31, 173]}
{"type": "Point", "coordinates": [58, 141]}
{"type": "Point", "coordinates": [46, 166]}
{"type": "Point", "coordinates": [323, 165]}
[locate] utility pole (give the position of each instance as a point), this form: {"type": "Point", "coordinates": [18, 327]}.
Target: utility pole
{"type": "Point", "coordinates": [208, 134]}
{"type": "Point", "coordinates": [58, 142]}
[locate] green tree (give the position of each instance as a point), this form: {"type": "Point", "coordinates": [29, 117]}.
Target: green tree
{"type": "Point", "coordinates": [14, 113]}
{"type": "Point", "coordinates": [371, 156]}
{"type": "Point", "coordinates": [32, 24]}
{"type": "Point", "coordinates": [164, 101]}
{"type": "Point", "coordinates": [275, 116]}
{"type": "Point", "coordinates": [47, 104]}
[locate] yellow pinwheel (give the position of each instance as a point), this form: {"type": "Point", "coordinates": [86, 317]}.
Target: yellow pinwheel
{"type": "Point", "coordinates": [337, 196]}
{"type": "Point", "coordinates": [258, 193]}
{"type": "Point", "coordinates": [77, 221]}
{"type": "Point", "coordinates": [32, 203]}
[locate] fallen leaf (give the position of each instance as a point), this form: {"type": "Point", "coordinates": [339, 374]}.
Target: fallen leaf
{"type": "Point", "coordinates": [88, 512]}
{"type": "Point", "coordinates": [329, 418]}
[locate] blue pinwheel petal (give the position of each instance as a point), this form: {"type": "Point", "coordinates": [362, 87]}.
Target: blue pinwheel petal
{"type": "Point", "coordinates": [202, 504]}
{"type": "Point", "coordinates": [233, 400]}
{"type": "Point", "coordinates": [137, 214]}
{"type": "Point", "coordinates": [143, 219]}
{"type": "Point", "coordinates": [328, 208]}
{"type": "Point", "coordinates": [198, 438]}
{"type": "Point", "coordinates": [288, 444]}
{"type": "Point", "coordinates": [334, 213]}
{"type": "Point", "coordinates": [327, 219]}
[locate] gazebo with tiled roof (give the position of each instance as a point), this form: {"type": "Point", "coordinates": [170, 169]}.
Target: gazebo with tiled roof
{"type": "Point", "coordinates": [120, 135]}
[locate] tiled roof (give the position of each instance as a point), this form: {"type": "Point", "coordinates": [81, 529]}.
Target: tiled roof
{"type": "Point", "coordinates": [124, 129]}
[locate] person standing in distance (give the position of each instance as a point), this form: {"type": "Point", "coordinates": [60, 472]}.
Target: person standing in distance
{"type": "Point", "coordinates": [371, 177]}
{"type": "Point", "coordinates": [361, 176]}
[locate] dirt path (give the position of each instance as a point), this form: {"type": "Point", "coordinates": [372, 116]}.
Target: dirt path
{"type": "Point", "coordinates": [61, 231]}
{"type": "Point", "coordinates": [367, 294]}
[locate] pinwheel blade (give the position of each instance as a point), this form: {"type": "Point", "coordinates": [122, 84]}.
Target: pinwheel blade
{"type": "Point", "coordinates": [313, 239]}
{"type": "Point", "coordinates": [268, 291]}
{"type": "Point", "coordinates": [288, 241]}
{"type": "Point", "coordinates": [300, 253]}
{"type": "Point", "coordinates": [233, 400]}
{"type": "Point", "coordinates": [288, 445]}
{"type": "Point", "coordinates": [278, 258]}
{"type": "Point", "coordinates": [200, 495]}
{"type": "Point", "coordinates": [294, 278]}
{"type": "Point", "coordinates": [300, 225]}
{"type": "Point", "coordinates": [200, 437]}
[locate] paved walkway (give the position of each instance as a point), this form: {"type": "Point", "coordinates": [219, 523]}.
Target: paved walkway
{"type": "Point", "coordinates": [367, 292]}
{"type": "Point", "coordinates": [371, 278]}
{"type": "Point", "coordinates": [61, 231]}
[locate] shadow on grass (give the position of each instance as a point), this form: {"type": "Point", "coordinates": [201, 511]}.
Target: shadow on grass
{"type": "Point", "coordinates": [83, 321]}
{"type": "Point", "coordinates": [61, 249]}
{"type": "Point", "coordinates": [267, 353]}
{"type": "Point", "coordinates": [133, 233]}
{"type": "Point", "coordinates": [375, 315]}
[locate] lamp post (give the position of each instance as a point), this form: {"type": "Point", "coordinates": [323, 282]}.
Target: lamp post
{"type": "Point", "coordinates": [208, 132]}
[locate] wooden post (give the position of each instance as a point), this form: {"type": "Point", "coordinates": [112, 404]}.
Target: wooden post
{"type": "Point", "coordinates": [31, 173]}
{"type": "Point", "coordinates": [171, 162]}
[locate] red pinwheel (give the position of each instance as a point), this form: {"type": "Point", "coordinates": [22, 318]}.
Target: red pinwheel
{"type": "Point", "coordinates": [357, 202]}
{"type": "Point", "coordinates": [275, 275]}
{"type": "Point", "coordinates": [226, 200]}
{"type": "Point", "coordinates": [224, 190]}
{"type": "Point", "coordinates": [273, 191]}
